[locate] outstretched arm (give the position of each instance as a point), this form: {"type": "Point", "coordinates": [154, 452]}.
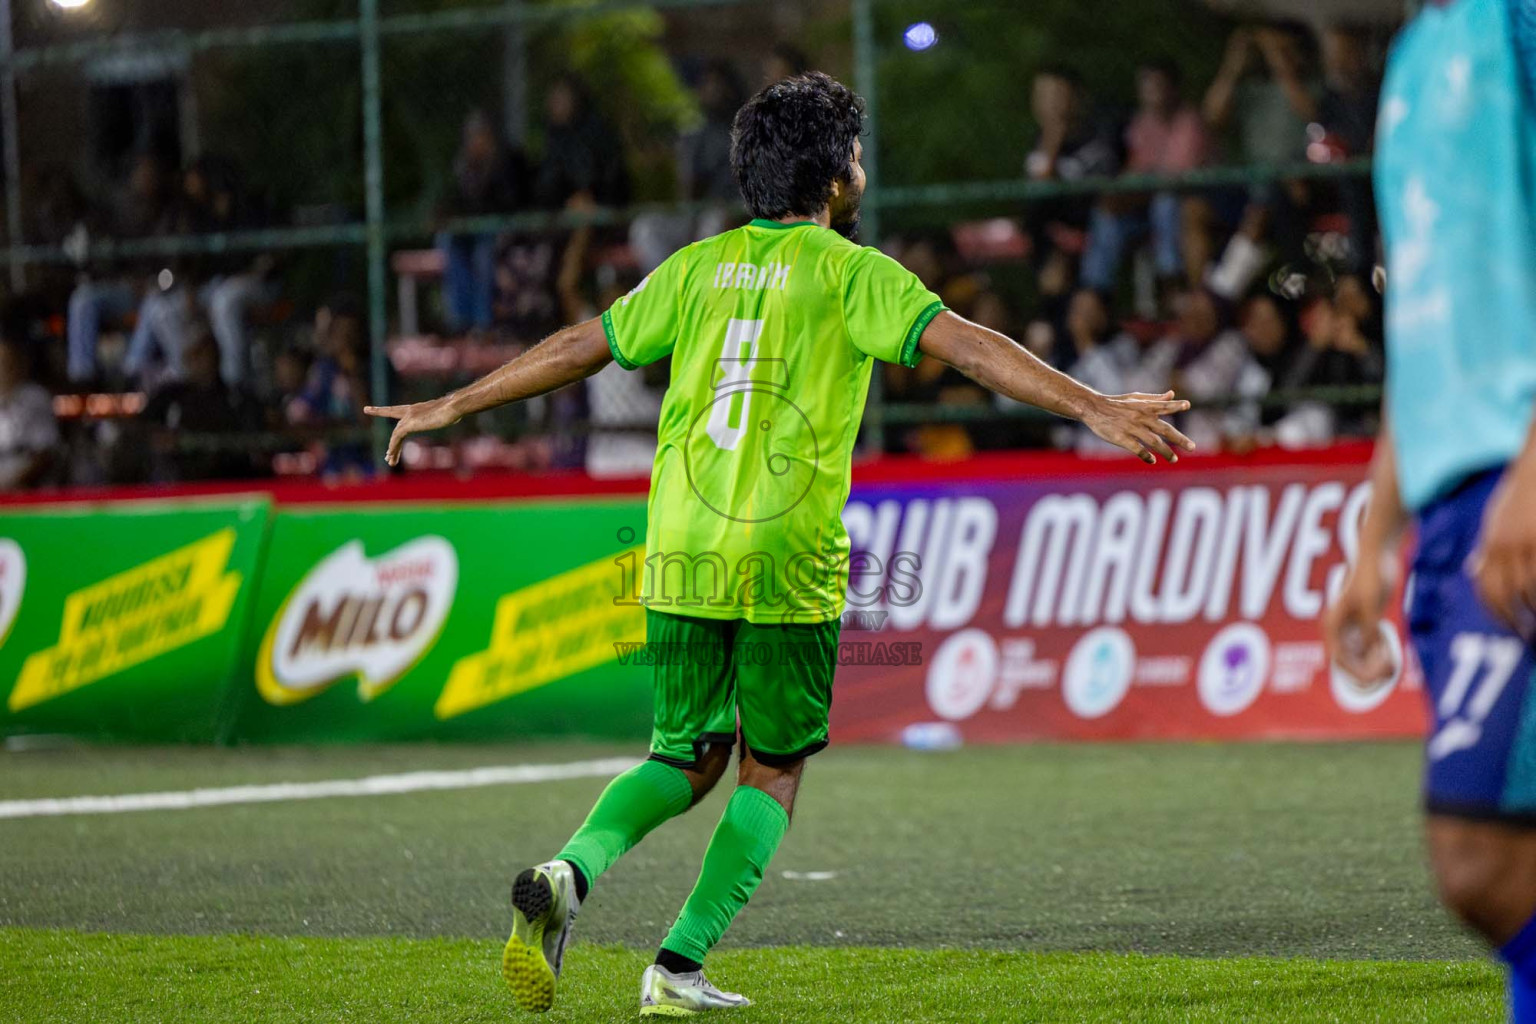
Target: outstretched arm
{"type": "Point", "coordinates": [1217, 105]}
{"type": "Point", "coordinates": [1132, 422]}
{"type": "Point", "coordinates": [562, 358]}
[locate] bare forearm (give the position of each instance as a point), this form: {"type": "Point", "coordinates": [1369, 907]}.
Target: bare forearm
{"type": "Point", "coordinates": [998, 364]}
{"type": "Point", "coordinates": [1525, 462]}
{"type": "Point", "coordinates": [1352, 625]}
{"type": "Point", "coordinates": [563, 358]}
{"type": "Point", "coordinates": [1132, 422]}
{"type": "Point", "coordinates": [1385, 516]}
{"type": "Point", "coordinates": [1218, 99]}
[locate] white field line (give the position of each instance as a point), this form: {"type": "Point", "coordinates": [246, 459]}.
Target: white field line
{"type": "Point", "coordinates": [372, 785]}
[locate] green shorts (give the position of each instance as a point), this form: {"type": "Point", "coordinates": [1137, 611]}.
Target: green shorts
{"type": "Point", "coordinates": [777, 678]}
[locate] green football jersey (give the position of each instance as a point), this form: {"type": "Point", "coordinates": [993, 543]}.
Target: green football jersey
{"type": "Point", "coordinates": [773, 331]}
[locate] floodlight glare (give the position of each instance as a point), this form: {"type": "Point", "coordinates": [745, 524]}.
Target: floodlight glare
{"type": "Point", "coordinates": [920, 36]}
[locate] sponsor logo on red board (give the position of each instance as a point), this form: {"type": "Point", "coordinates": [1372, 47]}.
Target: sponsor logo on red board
{"type": "Point", "coordinates": [1116, 606]}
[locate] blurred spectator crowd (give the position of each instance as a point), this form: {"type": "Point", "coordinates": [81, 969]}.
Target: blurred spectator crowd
{"type": "Point", "coordinates": [205, 367]}
{"type": "Point", "coordinates": [1234, 296]}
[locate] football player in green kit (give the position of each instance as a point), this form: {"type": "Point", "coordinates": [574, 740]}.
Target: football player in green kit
{"type": "Point", "coordinates": [774, 329]}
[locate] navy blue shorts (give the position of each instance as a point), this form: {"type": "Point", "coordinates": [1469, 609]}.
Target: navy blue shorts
{"type": "Point", "coordinates": [1480, 758]}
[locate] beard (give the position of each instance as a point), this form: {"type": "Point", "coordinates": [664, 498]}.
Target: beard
{"type": "Point", "coordinates": [845, 221]}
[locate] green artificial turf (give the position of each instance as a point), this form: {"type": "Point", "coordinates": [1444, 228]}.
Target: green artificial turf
{"type": "Point", "coordinates": [70, 976]}
{"type": "Point", "coordinates": [1206, 850]}
{"type": "Point", "coordinates": [1136, 882]}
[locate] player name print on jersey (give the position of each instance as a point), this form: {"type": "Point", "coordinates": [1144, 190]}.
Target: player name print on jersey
{"type": "Point", "coordinates": [752, 276]}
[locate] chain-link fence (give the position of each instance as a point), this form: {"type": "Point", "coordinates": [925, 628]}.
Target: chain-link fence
{"type": "Point", "coordinates": [306, 205]}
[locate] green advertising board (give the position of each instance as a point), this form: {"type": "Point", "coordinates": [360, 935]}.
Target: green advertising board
{"type": "Point", "coordinates": [461, 620]}
{"type": "Point", "coordinates": [125, 621]}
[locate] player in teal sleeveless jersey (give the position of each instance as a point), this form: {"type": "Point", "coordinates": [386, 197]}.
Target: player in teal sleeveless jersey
{"type": "Point", "coordinates": [774, 330]}
{"type": "Point", "coordinates": [1456, 189]}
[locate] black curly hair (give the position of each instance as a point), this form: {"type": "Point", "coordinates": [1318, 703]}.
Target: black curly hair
{"type": "Point", "coordinates": [791, 141]}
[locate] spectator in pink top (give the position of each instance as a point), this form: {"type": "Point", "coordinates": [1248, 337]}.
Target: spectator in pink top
{"type": "Point", "coordinates": [1166, 136]}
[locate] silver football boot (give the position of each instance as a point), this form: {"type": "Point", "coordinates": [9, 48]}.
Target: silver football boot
{"type": "Point", "coordinates": [544, 906]}
{"type": "Point", "coordinates": [664, 994]}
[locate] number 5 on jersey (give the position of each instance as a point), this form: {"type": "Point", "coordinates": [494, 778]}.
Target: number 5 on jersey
{"type": "Point", "coordinates": [730, 411]}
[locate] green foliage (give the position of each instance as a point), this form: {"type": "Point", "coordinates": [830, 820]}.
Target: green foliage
{"type": "Point", "coordinates": [634, 85]}
{"type": "Point", "coordinates": [291, 116]}
{"type": "Point", "coordinates": [431, 82]}
{"type": "Point", "coordinates": [960, 111]}
{"type": "Point", "coordinates": [622, 57]}
{"type": "Point", "coordinates": [290, 119]}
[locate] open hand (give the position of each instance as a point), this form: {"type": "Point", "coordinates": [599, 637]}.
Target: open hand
{"type": "Point", "coordinates": [414, 419]}
{"type": "Point", "coordinates": [1352, 623]}
{"type": "Point", "coordinates": [1134, 422]}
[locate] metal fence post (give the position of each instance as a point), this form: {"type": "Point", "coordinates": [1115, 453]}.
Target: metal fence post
{"type": "Point", "coordinates": [864, 80]}
{"type": "Point", "coordinates": [514, 81]}
{"type": "Point", "coordinates": [373, 170]}
{"type": "Point", "coordinates": [10, 138]}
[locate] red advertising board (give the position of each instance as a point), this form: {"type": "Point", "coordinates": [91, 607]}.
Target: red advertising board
{"type": "Point", "coordinates": [1023, 597]}
{"type": "Point", "coordinates": [1112, 603]}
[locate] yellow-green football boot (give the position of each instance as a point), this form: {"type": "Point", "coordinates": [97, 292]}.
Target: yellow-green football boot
{"type": "Point", "coordinates": [544, 906]}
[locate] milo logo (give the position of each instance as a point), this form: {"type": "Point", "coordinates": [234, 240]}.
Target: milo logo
{"type": "Point", "coordinates": [13, 583]}
{"type": "Point", "coordinates": [356, 616]}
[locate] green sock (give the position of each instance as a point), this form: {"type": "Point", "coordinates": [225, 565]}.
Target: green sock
{"type": "Point", "coordinates": [633, 804]}
{"type": "Point", "coordinates": [743, 844]}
